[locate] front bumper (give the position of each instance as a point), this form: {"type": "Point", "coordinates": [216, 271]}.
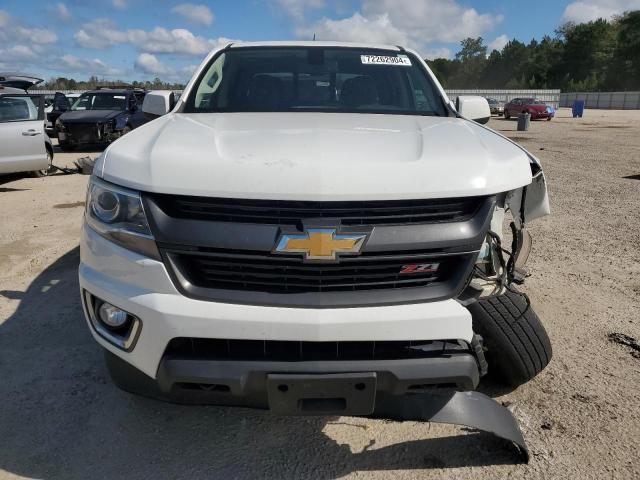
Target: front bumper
{"type": "Point", "coordinates": [419, 389]}
{"type": "Point", "coordinates": [142, 287]}
{"type": "Point", "coordinates": [87, 134]}
{"type": "Point", "coordinates": [379, 389]}
{"type": "Point", "coordinates": [538, 115]}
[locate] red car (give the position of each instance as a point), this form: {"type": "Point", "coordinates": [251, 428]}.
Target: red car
{"type": "Point", "coordinates": [537, 108]}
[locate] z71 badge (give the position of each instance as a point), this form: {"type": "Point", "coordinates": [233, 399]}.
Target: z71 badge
{"type": "Point", "coordinates": [419, 268]}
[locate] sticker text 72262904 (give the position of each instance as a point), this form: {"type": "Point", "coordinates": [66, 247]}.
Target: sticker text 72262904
{"type": "Point", "coordinates": [401, 60]}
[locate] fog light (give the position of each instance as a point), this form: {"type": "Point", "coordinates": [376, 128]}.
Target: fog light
{"type": "Point", "coordinates": [112, 316]}
{"type": "Point", "coordinates": [116, 326]}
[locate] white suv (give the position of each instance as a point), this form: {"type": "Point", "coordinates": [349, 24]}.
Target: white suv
{"type": "Point", "coordinates": [315, 229]}
{"type": "Point", "coordinates": [24, 146]}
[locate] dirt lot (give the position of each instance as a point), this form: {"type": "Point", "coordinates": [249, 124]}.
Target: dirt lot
{"type": "Point", "coordinates": [60, 418]}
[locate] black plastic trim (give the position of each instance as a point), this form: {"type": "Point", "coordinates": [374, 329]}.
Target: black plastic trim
{"type": "Point", "coordinates": [466, 235]}
{"type": "Point", "coordinates": [462, 240]}
{"type": "Point", "coordinates": [394, 376]}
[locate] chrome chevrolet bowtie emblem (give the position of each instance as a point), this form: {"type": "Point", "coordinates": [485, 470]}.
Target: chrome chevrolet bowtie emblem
{"type": "Point", "coordinates": [320, 244]}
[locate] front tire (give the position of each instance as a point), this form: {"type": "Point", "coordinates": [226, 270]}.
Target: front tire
{"type": "Point", "coordinates": [517, 344]}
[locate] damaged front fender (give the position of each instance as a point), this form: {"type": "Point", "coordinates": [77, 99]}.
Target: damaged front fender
{"type": "Point", "coordinates": [531, 201]}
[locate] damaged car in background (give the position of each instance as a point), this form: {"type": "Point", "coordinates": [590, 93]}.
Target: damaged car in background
{"type": "Point", "coordinates": [100, 116]}
{"type": "Point", "coordinates": [298, 234]}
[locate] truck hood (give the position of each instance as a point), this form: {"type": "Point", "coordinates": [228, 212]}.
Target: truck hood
{"type": "Point", "coordinates": [89, 116]}
{"type": "Point", "coordinates": [315, 156]}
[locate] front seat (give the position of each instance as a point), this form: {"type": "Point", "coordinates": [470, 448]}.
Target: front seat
{"type": "Point", "coordinates": [358, 91]}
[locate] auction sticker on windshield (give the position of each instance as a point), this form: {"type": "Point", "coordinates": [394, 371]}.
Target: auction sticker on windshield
{"type": "Point", "coordinates": [401, 60]}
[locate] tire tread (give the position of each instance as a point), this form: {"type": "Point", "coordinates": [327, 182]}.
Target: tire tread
{"type": "Point", "coordinates": [517, 343]}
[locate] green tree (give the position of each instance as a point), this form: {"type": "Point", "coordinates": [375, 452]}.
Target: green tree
{"type": "Point", "coordinates": [625, 71]}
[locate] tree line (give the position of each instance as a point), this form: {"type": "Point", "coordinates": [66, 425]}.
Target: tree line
{"type": "Point", "coordinates": [600, 55]}
{"type": "Point", "coordinates": [63, 83]}
{"type": "Point", "coordinates": [596, 56]}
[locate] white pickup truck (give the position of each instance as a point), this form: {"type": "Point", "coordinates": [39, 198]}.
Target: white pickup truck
{"type": "Point", "coordinates": [315, 228]}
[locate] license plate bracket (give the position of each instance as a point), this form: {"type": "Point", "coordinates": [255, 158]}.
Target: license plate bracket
{"type": "Point", "coordinates": [326, 394]}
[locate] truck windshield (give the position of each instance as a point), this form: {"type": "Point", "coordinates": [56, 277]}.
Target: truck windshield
{"type": "Point", "coordinates": [100, 101]}
{"type": "Point", "coordinates": [322, 79]}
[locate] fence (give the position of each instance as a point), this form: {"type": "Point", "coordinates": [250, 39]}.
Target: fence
{"type": "Point", "coordinates": [606, 100]}
{"type": "Point", "coordinates": [53, 92]}
{"type": "Point", "coordinates": [551, 97]}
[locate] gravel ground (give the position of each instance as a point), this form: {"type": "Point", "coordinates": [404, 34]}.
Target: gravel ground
{"type": "Point", "coordinates": [61, 418]}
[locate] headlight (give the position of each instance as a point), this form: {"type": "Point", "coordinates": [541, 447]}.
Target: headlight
{"type": "Point", "coordinates": [59, 125]}
{"type": "Point", "coordinates": [108, 127]}
{"type": "Point", "coordinates": [117, 214]}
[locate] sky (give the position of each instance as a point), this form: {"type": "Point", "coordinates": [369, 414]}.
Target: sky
{"type": "Point", "coordinates": [144, 39]}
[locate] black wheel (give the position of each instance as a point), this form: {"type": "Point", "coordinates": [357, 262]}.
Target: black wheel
{"type": "Point", "coordinates": [50, 169]}
{"type": "Point", "coordinates": [517, 344]}
{"type": "Point", "coordinates": [506, 115]}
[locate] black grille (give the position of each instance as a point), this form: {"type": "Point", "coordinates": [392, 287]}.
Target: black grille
{"type": "Point", "coordinates": [283, 212]}
{"type": "Point", "coordinates": [83, 132]}
{"type": "Point", "coordinates": [277, 274]}
{"type": "Point", "coordinates": [294, 351]}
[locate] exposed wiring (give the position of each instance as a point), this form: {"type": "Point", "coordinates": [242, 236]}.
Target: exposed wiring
{"type": "Point", "coordinates": [506, 276]}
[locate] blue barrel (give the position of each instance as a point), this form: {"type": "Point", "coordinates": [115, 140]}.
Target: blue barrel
{"type": "Point", "coordinates": [578, 108]}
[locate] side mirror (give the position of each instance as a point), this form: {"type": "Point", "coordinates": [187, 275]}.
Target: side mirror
{"type": "Point", "coordinates": [474, 108]}
{"type": "Point", "coordinates": [157, 103]}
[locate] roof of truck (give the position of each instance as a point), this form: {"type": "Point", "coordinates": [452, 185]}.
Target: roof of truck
{"type": "Point", "coordinates": [314, 43]}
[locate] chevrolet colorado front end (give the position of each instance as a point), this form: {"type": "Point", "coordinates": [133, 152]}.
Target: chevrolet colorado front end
{"type": "Point", "coordinates": [316, 229]}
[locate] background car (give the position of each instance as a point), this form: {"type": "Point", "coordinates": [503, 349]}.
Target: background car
{"type": "Point", "coordinates": [17, 80]}
{"type": "Point", "coordinates": [61, 103]}
{"type": "Point", "coordinates": [100, 116]}
{"type": "Point", "coordinates": [25, 147]}
{"type": "Point", "coordinates": [495, 106]}
{"type": "Point", "coordinates": [536, 108]}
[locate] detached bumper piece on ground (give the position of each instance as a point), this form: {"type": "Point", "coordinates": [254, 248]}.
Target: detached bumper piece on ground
{"type": "Point", "coordinates": [415, 389]}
